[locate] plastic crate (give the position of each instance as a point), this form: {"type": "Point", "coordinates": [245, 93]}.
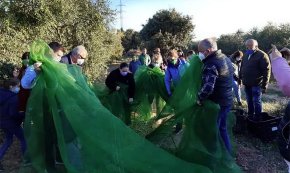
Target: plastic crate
{"type": "Point", "coordinates": [240, 125]}
{"type": "Point", "coordinates": [266, 128]}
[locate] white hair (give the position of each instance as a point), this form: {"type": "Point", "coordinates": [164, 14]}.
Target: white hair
{"type": "Point", "coordinates": [81, 50]}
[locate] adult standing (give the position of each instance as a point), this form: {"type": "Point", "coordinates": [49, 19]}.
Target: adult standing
{"type": "Point", "coordinates": [134, 63]}
{"type": "Point", "coordinates": [217, 80]}
{"type": "Point", "coordinates": [144, 58]}
{"type": "Point", "coordinates": [28, 82]}
{"type": "Point", "coordinates": [236, 59]}
{"type": "Point", "coordinates": [255, 74]}
{"type": "Point", "coordinates": [173, 74]}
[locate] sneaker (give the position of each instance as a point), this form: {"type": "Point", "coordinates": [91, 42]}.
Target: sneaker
{"type": "Point", "coordinates": [1, 167]}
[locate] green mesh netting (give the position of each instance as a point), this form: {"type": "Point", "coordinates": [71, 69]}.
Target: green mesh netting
{"type": "Point", "coordinates": [149, 96]}
{"type": "Point", "coordinates": [62, 111]}
{"type": "Point", "coordinates": [201, 142]}
{"type": "Point", "coordinates": [150, 91]}
{"type": "Point", "coordinates": [115, 101]}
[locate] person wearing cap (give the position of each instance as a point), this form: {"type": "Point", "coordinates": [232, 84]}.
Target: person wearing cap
{"type": "Point", "coordinates": [281, 72]}
{"type": "Point", "coordinates": [76, 56]}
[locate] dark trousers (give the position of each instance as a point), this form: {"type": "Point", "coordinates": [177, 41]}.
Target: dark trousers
{"type": "Point", "coordinates": [9, 133]}
{"type": "Point", "coordinates": [254, 100]}
{"type": "Point", "coordinates": [222, 124]}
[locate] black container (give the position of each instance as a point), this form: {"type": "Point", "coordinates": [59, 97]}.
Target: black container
{"type": "Point", "coordinates": [240, 126]}
{"type": "Point", "coordinates": [265, 128]}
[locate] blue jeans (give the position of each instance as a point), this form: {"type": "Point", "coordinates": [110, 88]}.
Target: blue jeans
{"type": "Point", "coordinates": [9, 133]}
{"type": "Point", "coordinates": [237, 90]}
{"type": "Point", "coordinates": [222, 124]}
{"type": "Point", "coordinates": [254, 100]}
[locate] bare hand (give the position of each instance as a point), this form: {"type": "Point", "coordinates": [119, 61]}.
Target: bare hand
{"type": "Point", "coordinates": [274, 53]}
{"type": "Point", "coordinates": [37, 66]}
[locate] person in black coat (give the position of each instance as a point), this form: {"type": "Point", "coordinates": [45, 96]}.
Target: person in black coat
{"type": "Point", "coordinates": [119, 76]}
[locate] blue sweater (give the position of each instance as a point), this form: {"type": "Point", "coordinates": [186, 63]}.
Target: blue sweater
{"type": "Point", "coordinates": [173, 73]}
{"type": "Point", "coordinates": [9, 116]}
{"type": "Point", "coordinates": [134, 65]}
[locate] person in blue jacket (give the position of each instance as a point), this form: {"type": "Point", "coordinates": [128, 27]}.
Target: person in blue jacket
{"type": "Point", "coordinates": [134, 64]}
{"type": "Point", "coordinates": [175, 69]}
{"type": "Point", "coordinates": [10, 119]}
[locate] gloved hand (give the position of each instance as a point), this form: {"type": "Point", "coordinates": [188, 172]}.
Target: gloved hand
{"type": "Point", "coordinates": [131, 100]}
{"type": "Point", "coordinates": [274, 53]}
{"type": "Point", "coordinates": [117, 88]}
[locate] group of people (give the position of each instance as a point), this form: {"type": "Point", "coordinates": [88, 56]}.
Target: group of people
{"type": "Point", "coordinates": [16, 91]}
{"type": "Point", "coordinates": [221, 75]}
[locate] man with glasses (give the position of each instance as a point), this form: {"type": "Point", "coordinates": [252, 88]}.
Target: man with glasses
{"type": "Point", "coordinates": [76, 56]}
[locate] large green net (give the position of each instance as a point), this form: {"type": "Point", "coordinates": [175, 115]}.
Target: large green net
{"type": "Point", "coordinates": [201, 142]}
{"type": "Point", "coordinates": [150, 91]}
{"type": "Point", "coordinates": [115, 101]}
{"type": "Point", "coordinates": [149, 97]}
{"type": "Point", "coordinates": [62, 111]}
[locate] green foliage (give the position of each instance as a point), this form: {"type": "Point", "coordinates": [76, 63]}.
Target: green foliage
{"type": "Point", "coordinates": [167, 29]}
{"type": "Point", "coordinates": [131, 40]}
{"type": "Point", "coordinates": [269, 34]}
{"type": "Point", "coordinates": [231, 42]}
{"type": "Point", "coordinates": [70, 22]}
